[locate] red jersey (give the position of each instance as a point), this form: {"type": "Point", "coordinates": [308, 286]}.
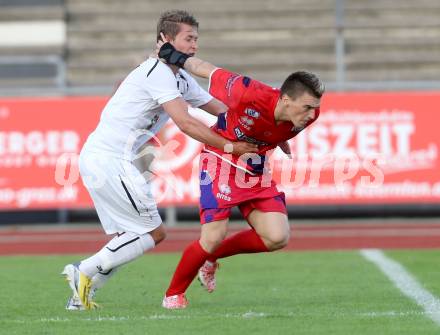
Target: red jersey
{"type": "Point", "coordinates": [250, 116]}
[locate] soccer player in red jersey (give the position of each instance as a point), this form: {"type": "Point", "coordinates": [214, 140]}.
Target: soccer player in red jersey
{"type": "Point", "coordinates": [259, 114]}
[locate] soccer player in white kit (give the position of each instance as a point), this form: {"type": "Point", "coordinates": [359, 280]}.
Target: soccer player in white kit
{"type": "Point", "coordinates": [142, 104]}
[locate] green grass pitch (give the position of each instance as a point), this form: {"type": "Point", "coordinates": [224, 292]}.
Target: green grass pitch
{"type": "Point", "coordinates": [334, 292]}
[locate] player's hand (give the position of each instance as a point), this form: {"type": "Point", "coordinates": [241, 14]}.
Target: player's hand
{"type": "Point", "coordinates": [172, 56]}
{"type": "Point", "coordinates": [240, 148]}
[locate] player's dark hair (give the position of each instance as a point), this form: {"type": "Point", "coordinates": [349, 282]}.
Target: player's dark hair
{"type": "Point", "coordinates": [301, 82]}
{"type": "Point", "coordinates": [169, 22]}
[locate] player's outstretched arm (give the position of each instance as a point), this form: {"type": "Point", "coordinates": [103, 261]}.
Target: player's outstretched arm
{"type": "Point", "coordinates": [214, 107]}
{"type": "Point", "coordinates": [192, 64]}
{"type": "Point", "coordinates": [177, 109]}
{"type": "Point", "coordinates": [199, 67]}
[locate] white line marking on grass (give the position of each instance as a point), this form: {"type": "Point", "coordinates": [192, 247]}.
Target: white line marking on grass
{"type": "Point", "coordinates": [247, 315]}
{"type": "Point", "coordinates": [405, 282]}
{"type": "Point", "coordinates": [250, 315]}
{"type": "Point", "coordinates": [117, 318]}
{"type": "Point", "coordinates": [393, 314]}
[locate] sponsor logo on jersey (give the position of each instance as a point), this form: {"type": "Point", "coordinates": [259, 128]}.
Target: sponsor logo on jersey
{"type": "Point", "coordinates": [242, 137]}
{"type": "Point", "coordinates": [225, 190]}
{"type": "Point", "coordinates": [246, 122]}
{"type": "Point", "coordinates": [238, 133]}
{"type": "Point", "coordinates": [252, 112]}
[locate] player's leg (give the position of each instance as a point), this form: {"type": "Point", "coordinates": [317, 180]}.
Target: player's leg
{"type": "Point", "coordinates": [244, 242]}
{"type": "Point", "coordinates": [93, 272]}
{"type": "Point", "coordinates": [272, 227]}
{"type": "Point", "coordinates": [121, 249]}
{"type": "Point", "coordinates": [123, 205]}
{"type": "Point", "coordinates": [98, 281]}
{"type": "Point", "coordinates": [214, 218]}
{"type": "Point", "coordinates": [101, 278]}
{"type": "Point", "coordinates": [192, 259]}
{"type": "Point", "coordinates": [270, 231]}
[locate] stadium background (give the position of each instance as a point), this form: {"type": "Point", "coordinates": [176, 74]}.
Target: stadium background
{"type": "Point", "coordinates": [380, 61]}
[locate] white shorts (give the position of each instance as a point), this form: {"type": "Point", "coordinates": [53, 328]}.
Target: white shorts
{"type": "Point", "coordinates": [121, 195]}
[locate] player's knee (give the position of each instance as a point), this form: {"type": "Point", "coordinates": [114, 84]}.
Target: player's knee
{"type": "Point", "coordinates": [211, 241]}
{"type": "Point", "coordinates": [278, 240]}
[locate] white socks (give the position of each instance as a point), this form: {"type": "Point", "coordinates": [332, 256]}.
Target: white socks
{"type": "Point", "coordinates": [101, 278]}
{"type": "Point", "coordinates": [120, 250]}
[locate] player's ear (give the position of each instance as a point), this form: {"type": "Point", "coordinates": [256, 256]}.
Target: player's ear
{"type": "Point", "coordinates": [165, 37]}
{"type": "Point", "coordinates": [285, 98]}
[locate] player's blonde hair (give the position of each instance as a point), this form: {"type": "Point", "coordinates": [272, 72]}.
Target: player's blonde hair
{"type": "Point", "coordinates": [169, 22]}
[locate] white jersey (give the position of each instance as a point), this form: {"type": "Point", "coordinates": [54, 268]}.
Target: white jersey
{"type": "Point", "coordinates": [134, 113]}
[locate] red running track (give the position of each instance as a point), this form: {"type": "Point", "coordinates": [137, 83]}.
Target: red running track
{"type": "Point", "coordinates": [19, 240]}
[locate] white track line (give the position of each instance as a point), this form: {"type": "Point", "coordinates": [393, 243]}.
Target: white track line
{"type": "Point", "coordinates": [405, 282]}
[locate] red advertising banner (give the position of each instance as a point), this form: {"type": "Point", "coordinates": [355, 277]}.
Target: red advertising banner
{"type": "Point", "coordinates": [376, 147]}
{"type": "Point", "coordinates": [365, 148]}
{"type": "Point", "coordinates": [34, 133]}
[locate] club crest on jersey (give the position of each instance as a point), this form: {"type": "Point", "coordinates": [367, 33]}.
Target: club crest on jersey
{"type": "Point", "coordinates": [246, 122]}
{"type": "Point", "coordinates": [252, 112]}
{"type": "Point", "coordinates": [225, 190]}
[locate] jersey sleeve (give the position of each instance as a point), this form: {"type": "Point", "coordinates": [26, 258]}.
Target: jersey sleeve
{"type": "Point", "coordinates": [228, 87]}
{"type": "Point", "coordinates": [161, 84]}
{"type": "Point", "coordinates": [195, 95]}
